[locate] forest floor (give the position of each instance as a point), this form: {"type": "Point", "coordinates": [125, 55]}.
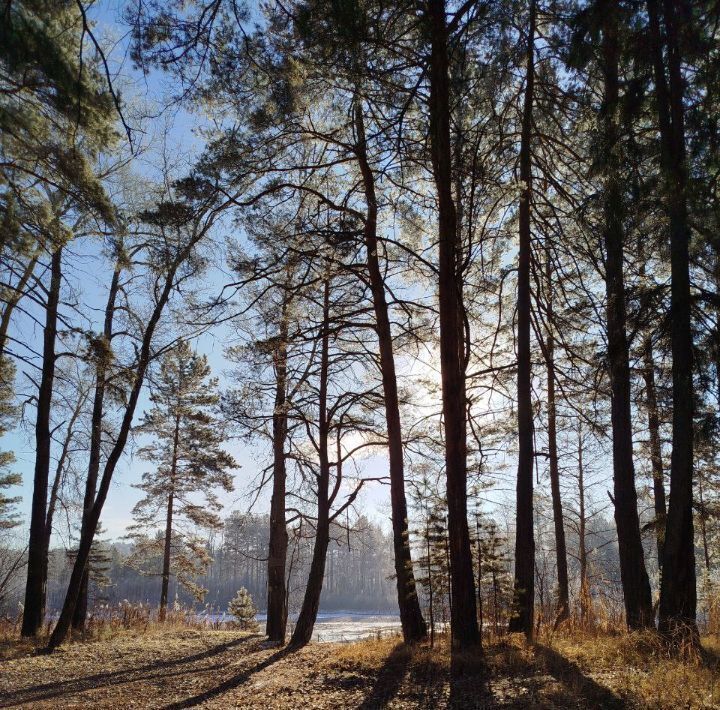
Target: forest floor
{"type": "Point", "coordinates": [181, 668]}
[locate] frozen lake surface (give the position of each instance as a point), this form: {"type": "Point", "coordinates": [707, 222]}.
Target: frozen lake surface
{"type": "Point", "coordinates": [340, 625]}
{"type": "Point", "coordinates": [354, 627]}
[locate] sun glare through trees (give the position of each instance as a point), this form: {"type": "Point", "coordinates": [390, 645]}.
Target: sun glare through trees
{"type": "Point", "coordinates": [376, 343]}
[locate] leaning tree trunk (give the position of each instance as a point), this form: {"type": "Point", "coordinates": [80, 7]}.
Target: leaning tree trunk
{"type": "Point", "coordinates": [464, 628]}
{"type": "Point", "coordinates": [563, 601]}
{"type": "Point", "coordinates": [633, 574]}
{"type": "Point", "coordinates": [103, 360]}
{"type": "Point", "coordinates": [86, 538]}
{"type": "Point", "coordinates": [13, 300]}
{"type": "Point", "coordinates": [36, 585]}
{"type": "Point", "coordinates": [277, 549]}
{"type": "Point", "coordinates": [57, 479]}
{"type": "Point", "coordinates": [411, 619]}
{"type": "Point", "coordinates": [524, 584]}
{"type": "Point", "coordinates": [678, 593]}
{"type": "Point", "coordinates": [311, 601]}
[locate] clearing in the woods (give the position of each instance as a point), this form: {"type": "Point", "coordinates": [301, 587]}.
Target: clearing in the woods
{"type": "Point", "coordinates": [228, 669]}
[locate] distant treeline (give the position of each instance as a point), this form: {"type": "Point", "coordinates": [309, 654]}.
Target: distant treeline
{"type": "Point", "coordinates": [359, 570]}
{"type": "Point", "coordinates": [359, 573]}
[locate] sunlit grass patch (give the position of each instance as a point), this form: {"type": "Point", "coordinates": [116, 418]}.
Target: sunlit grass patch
{"type": "Point", "coordinates": [639, 667]}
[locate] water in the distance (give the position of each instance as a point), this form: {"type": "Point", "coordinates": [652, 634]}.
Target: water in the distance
{"type": "Point", "coordinates": [354, 627]}
{"type": "Point", "coordinates": [339, 625]}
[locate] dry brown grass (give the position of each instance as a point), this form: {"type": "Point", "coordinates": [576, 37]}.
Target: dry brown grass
{"type": "Point", "coordinates": [640, 668]}
{"type": "Point", "coordinates": [634, 669]}
{"type": "Point", "coordinates": [129, 659]}
{"type": "Point", "coordinates": [107, 623]}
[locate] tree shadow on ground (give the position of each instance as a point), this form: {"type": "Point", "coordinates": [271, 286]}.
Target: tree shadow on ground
{"type": "Point", "coordinates": [469, 675]}
{"type": "Point", "coordinates": [389, 679]}
{"type": "Point", "coordinates": [231, 683]}
{"type": "Point", "coordinates": [573, 678]}
{"type": "Point", "coordinates": [150, 671]}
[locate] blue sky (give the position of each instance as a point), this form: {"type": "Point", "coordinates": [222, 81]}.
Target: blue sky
{"type": "Point", "coordinates": [183, 144]}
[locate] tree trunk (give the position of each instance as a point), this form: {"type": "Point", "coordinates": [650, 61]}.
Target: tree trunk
{"type": "Point", "coordinates": [635, 581]}
{"type": "Point", "coordinates": [96, 421]}
{"type": "Point", "coordinates": [311, 601]}
{"type": "Point", "coordinates": [167, 547]}
{"type": "Point", "coordinates": [584, 586]}
{"type": "Point", "coordinates": [36, 585]}
{"type": "Point", "coordinates": [563, 601]}
{"type": "Point", "coordinates": [463, 612]}
{"type": "Point", "coordinates": [678, 593]}
{"type": "Point", "coordinates": [703, 514]}
{"type": "Point", "coordinates": [13, 300]}
{"type": "Point", "coordinates": [57, 479]}
{"type": "Point", "coordinates": [479, 576]}
{"type": "Point", "coordinates": [717, 327]}
{"type": "Point", "coordinates": [411, 619]}
{"type": "Point", "coordinates": [430, 579]}
{"type": "Point", "coordinates": [524, 583]}
{"type": "Point", "coordinates": [655, 446]}
{"type": "Point", "coordinates": [86, 539]}
{"type": "Point", "coordinates": [277, 549]}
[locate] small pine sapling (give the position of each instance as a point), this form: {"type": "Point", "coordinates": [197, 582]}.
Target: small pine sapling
{"type": "Point", "coordinates": [242, 608]}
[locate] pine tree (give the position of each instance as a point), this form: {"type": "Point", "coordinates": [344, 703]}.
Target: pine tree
{"type": "Point", "coordinates": [57, 116]}
{"type": "Point", "coordinates": [494, 579]}
{"type": "Point", "coordinates": [242, 608]}
{"type": "Point", "coordinates": [433, 553]}
{"type": "Point", "coordinates": [187, 447]}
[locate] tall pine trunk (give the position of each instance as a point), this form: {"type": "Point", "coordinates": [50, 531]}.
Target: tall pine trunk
{"type": "Point", "coordinates": [678, 593]}
{"type": "Point", "coordinates": [479, 574]}
{"type": "Point", "coordinates": [429, 574]}
{"type": "Point", "coordinates": [36, 584]}
{"type": "Point", "coordinates": [464, 628]}
{"type": "Point", "coordinates": [411, 619]}
{"type": "Point", "coordinates": [633, 574]}
{"type": "Point", "coordinates": [563, 600]}
{"type": "Point", "coordinates": [276, 625]}
{"type": "Point", "coordinates": [703, 515]}
{"type": "Point", "coordinates": [311, 601]}
{"type": "Point", "coordinates": [585, 598]}
{"type": "Point", "coordinates": [524, 584]}
{"type": "Point", "coordinates": [655, 446]}
{"type": "Point", "coordinates": [96, 422]}
{"type": "Point", "coordinates": [167, 549]}
{"type": "Point", "coordinates": [167, 546]}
